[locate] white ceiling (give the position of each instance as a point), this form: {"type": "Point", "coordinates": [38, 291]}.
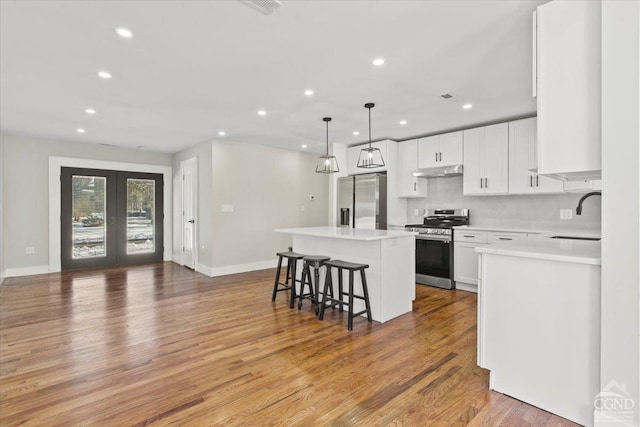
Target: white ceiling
{"type": "Point", "coordinates": [194, 68]}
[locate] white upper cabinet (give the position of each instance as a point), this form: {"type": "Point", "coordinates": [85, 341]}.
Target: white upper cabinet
{"type": "Point", "coordinates": [440, 150]}
{"type": "Point", "coordinates": [486, 160]}
{"type": "Point", "coordinates": [522, 144]}
{"type": "Point", "coordinates": [409, 185]}
{"type": "Point", "coordinates": [568, 86]}
{"type": "Point", "coordinates": [353, 153]}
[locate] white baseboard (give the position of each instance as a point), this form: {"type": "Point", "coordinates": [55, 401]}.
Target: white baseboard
{"type": "Point", "coordinates": [460, 286]}
{"type": "Point", "coordinates": [204, 269]}
{"type": "Point", "coordinates": [177, 258]}
{"type": "Point", "coordinates": [241, 268]}
{"type": "Point", "coordinates": [26, 271]}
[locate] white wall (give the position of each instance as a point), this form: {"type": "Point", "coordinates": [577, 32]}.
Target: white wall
{"type": "Point", "coordinates": [518, 211]}
{"type": "Point", "coordinates": [268, 188]}
{"type": "Point", "coordinates": [25, 165]}
{"type": "Point", "coordinates": [620, 356]}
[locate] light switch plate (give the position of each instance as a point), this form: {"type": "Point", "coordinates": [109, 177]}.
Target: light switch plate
{"type": "Point", "coordinates": [566, 214]}
{"type": "Point", "coordinates": [416, 212]}
{"type": "Point", "coordinates": [227, 208]}
{"type": "Point", "coordinates": [30, 250]}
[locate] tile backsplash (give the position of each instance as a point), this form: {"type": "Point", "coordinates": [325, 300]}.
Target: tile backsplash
{"type": "Point", "coordinates": [541, 212]}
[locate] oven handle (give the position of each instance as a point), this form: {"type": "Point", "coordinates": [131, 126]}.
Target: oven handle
{"type": "Point", "coordinates": [445, 239]}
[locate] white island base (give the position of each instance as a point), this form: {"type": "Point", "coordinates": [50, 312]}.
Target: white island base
{"type": "Point", "coordinates": [390, 255]}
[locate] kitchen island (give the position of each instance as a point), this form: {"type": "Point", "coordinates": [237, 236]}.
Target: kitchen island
{"type": "Point", "coordinates": [390, 255]}
{"type": "Point", "coordinates": [539, 321]}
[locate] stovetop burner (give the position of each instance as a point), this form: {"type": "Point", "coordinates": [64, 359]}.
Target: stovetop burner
{"type": "Point", "coordinates": [440, 221]}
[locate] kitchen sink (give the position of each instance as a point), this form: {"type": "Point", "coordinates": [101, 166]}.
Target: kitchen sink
{"type": "Point", "coordinates": [576, 238]}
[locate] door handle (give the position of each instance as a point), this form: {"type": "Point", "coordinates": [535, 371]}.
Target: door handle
{"type": "Point", "coordinates": [192, 221]}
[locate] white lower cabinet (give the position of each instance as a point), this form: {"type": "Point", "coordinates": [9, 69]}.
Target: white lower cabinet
{"type": "Point", "coordinates": [465, 263]}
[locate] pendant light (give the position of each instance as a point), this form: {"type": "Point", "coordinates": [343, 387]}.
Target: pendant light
{"type": "Point", "coordinates": [370, 157]}
{"type": "Point", "coordinates": [327, 163]}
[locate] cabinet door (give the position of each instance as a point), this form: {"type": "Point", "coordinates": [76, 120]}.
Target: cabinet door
{"type": "Point", "coordinates": [496, 159]}
{"type": "Point", "coordinates": [544, 184]}
{"type": "Point", "coordinates": [450, 149]}
{"type": "Point", "coordinates": [352, 161]}
{"type": "Point", "coordinates": [521, 141]}
{"type": "Point", "coordinates": [471, 162]}
{"type": "Point", "coordinates": [428, 151]}
{"type": "Point", "coordinates": [465, 265]}
{"type": "Point", "coordinates": [569, 82]}
{"type": "Point", "coordinates": [410, 186]}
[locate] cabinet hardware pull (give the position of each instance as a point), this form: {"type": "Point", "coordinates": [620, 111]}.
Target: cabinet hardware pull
{"type": "Point", "coordinates": [466, 235]}
{"type": "Point", "coordinates": [481, 183]}
{"type": "Point", "coordinates": [436, 156]}
{"type": "Point", "coordinates": [414, 186]}
{"type": "Point", "coordinates": [530, 181]}
{"type": "Point", "coordinates": [441, 156]}
{"type": "Point", "coordinates": [537, 179]}
{"type": "Point", "coordinates": [504, 238]}
{"type": "Point", "coordinates": [486, 183]}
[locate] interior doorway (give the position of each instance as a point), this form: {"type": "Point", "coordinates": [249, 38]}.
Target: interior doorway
{"type": "Point", "coordinates": [110, 218]}
{"type": "Point", "coordinates": [189, 172]}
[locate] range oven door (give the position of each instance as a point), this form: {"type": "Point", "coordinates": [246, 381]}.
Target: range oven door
{"type": "Point", "coordinates": [434, 256]}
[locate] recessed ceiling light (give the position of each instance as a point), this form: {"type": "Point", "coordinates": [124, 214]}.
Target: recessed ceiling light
{"type": "Point", "coordinates": [304, 145]}
{"type": "Point", "coordinates": [467, 106]}
{"type": "Point", "coordinates": [124, 32]}
{"type": "Point", "coordinates": [104, 75]}
{"type": "Point", "coordinates": [262, 113]}
{"type": "Point", "coordinates": [90, 111]}
{"type": "Point", "coordinates": [356, 133]}
{"type": "Point", "coordinates": [378, 62]}
{"type": "Point", "coordinates": [308, 92]}
{"type": "Point", "coordinates": [221, 133]}
{"type": "Point", "coordinates": [403, 122]}
{"type": "Point", "coordinates": [79, 130]}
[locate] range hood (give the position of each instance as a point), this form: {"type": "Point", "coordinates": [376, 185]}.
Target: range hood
{"type": "Point", "coordinates": [451, 170]}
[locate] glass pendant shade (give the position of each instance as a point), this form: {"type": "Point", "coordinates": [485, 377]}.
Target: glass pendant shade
{"type": "Point", "coordinates": [327, 163]}
{"type": "Point", "coordinates": [370, 157]}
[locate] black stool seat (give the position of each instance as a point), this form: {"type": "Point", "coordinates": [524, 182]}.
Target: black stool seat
{"type": "Point", "coordinates": [330, 301]}
{"type": "Point", "coordinates": [278, 286]}
{"type": "Point", "coordinates": [346, 265]}
{"type": "Point", "coordinates": [315, 262]}
{"type": "Point", "coordinates": [290, 254]}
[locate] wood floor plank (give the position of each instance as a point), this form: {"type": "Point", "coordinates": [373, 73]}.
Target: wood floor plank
{"type": "Point", "coordinates": [163, 345]}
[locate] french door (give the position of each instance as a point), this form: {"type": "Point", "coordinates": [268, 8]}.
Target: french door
{"type": "Point", "coordinates": [110, 218]}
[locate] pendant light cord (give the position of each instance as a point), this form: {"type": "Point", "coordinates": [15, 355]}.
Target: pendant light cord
{"type": "Point", "coordinates": [369, 128]}
{"type": "Point", "coordinates": [327, 138]}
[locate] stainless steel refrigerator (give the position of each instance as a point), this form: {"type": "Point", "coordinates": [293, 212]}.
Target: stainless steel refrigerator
{"type": "Point", "coordinates": [362, 201]}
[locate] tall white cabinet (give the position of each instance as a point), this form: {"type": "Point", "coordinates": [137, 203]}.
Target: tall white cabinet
{"type": "Point", "coordinates": [522, 161]}
{"type": "Point", "coordinates": [486, 160]}
{"type": "Point", "coordinates": [568, 56]}
{"type": "Point", "coordinates": [409, 185]}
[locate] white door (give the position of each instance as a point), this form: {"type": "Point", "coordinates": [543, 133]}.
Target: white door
{"type": "Point", "coordinates": [189, 170]}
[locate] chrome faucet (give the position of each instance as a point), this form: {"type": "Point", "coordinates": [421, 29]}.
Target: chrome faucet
{"type": "Point", "coordinates": [593, 193]}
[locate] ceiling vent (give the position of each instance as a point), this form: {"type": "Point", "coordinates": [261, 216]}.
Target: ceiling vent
{"type": "Point", "coordinates": [266, 7]}
{"type": "Point", "coordinates": [447, 96]}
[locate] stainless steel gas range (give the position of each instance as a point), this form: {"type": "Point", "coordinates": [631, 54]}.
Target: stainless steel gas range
{"type": "Point", "coordinates": [434, 246]}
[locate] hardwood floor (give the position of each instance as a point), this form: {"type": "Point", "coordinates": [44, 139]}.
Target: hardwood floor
{"type": "Point", "coordinates": [160, 344]}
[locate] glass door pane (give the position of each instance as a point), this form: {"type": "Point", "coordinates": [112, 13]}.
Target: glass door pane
{"type": "Point", "coordinates": [141, 216]}
{"type": "Point", "coordinates": [88, 212]}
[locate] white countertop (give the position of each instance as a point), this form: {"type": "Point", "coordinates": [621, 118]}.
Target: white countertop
{"type": "Point", "coordinates": [544, 247]}
{"type": "Point", "coordinates": [347, 233]}
{"type": "Point", "coordinates": [498, 229]}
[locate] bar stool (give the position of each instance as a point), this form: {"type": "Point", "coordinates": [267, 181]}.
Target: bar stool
{"type": "Point", "coordinates": [332, 302]}
{"type": "Point", "coordinates": [292, 261]}
{"type": "Point", "coordinates": [315, 262]}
